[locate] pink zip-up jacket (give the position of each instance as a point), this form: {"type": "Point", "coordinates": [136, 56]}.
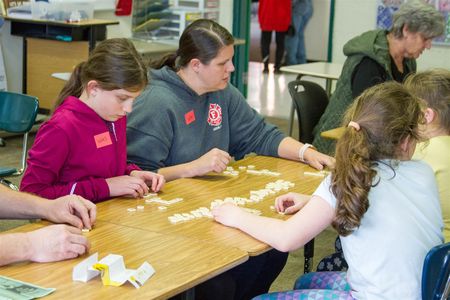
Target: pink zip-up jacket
{"type": "Point", "coordinates": [75, 152]}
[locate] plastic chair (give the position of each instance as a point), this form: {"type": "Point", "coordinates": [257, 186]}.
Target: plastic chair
{"type": "Point", "coordinates": [436, 273]}
{"type": "Point", "coordinates": [310, 101]}
{"type": "Point", "coordinates": [17, 115]}
{"type": "Point", "coordinates": [334, 262]}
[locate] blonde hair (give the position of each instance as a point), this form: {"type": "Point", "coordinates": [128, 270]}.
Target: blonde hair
{"type": "Point", "coordinates": [433, 86]}
{"type": "Point", "coordinates": [386, 114]}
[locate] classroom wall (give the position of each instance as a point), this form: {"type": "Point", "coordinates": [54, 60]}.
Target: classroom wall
{"type": "Point", "coordinates": [353, 17]}
{"type": "Point", "coordinates": [316, 31]}
{"type": "Point", "coordinates": [124, 28]}
{"type": "Point", "coordinates": [12, 57]}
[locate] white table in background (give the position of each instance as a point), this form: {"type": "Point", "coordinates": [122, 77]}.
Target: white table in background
{"type": "Point", "coordinates": [325, 70]}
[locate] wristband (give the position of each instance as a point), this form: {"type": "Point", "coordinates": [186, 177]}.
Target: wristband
{"type": "Point", "coordinates": [302, 151]}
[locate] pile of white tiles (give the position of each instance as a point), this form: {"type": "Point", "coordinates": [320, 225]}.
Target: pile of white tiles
{"type": "Point", "coordinates": [255, 196]}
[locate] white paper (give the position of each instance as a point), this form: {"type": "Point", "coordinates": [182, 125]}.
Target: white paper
{"type": "Point", "coordinates": [116, 271]}
{"type": "Point", "coordinates": [83, 271]}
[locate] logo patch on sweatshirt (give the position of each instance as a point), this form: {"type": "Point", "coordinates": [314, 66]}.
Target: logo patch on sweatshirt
{"type": "Point", "coordinates": [214, 114]}
{"type": "Point", "coordinates": [189, 117]}
{"type": "Point", "coordinates": [102, 139]}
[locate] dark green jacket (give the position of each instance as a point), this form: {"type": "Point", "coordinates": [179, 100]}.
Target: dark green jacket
{"type": "Point", "coordinates": [372, 44]}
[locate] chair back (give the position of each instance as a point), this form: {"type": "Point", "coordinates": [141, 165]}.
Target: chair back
{"type": "Point", "coordinates": [17, 115]}
{"type": "Point", "coordinates": [310, 101]}
{"type": "Point", "coordinates": [436, 273]}
{"type": "Point", "coordinates": [17, 112]}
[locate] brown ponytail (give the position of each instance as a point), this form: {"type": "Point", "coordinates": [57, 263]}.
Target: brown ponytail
{"type": "Point", "coordinates": [114, 64]}
{"type": "Point", "coordinates": [386, 114]}
{"type": "Point", "coordinates": [202, 39]}
{"type": "Point", "coordinates": [73, 87]}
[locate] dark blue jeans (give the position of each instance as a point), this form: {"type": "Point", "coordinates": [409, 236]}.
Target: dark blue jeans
{"type": "Point", "coordinates": [252, 278]}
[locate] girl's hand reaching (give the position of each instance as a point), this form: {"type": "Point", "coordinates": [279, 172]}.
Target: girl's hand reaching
{"type": "Point", "coordinates": [227, 214]}
{"type": "Point", "coordinates": [291, 203]}
{"type": "Point", "coordinates": [154, 180]}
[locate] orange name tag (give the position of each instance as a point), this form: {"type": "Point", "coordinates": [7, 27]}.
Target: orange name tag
{"type": "Point", "coordinates": [102, 139]}
{"type": "Point", "coordinates": [189, 117]}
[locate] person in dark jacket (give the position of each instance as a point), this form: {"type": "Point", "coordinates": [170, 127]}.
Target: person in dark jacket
{"type": "Point", "coordinates": [190, 120]}
{"type": "Point", "coordinates": [377, 56]}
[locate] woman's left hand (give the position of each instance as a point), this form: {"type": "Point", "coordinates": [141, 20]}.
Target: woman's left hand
{"type": "Point", "coordinates": [153, 180]}
{"type": "Point", "coordinates": [318, 160]}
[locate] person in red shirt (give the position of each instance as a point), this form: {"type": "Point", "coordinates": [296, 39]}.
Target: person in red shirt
{"type": "Point", "coordinates": [82, 148]}
{"type": "Point", "coordinates": [273, 15]}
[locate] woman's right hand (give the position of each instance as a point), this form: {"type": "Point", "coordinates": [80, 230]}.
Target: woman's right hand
{"type": "Point", "coordinates": [215, 160]}
{"type": "Point", "coordinates": [127, 186]}
{"type": "Point", "coordinates": [291, 202]}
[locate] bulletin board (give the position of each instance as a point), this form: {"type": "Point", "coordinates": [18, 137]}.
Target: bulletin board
{"type": "Point", "coordinates": [385, 9]}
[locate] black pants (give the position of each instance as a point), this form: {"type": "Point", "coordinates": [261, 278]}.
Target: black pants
{"type": "Point", "coordinates": [266, 39]}
{"type": "Point", "coordinates": [245, 281]}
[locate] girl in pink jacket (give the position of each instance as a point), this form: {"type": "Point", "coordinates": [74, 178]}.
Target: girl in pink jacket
{"type": "Point", "coordinates": [82, 148]}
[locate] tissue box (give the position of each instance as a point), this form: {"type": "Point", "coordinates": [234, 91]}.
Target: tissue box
{"type": "Point", "coordinates": [62, 10]}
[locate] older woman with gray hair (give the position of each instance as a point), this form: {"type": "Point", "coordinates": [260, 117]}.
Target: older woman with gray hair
{"type": "Point", "coordinates": [377, 56]}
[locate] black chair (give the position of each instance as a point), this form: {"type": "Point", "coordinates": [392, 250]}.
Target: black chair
{"type": "Point", "coordinates": [310, 101]}
{"type": "Point", "coordinates": [17, 115]}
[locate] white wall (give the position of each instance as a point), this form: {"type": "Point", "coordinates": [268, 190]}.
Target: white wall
{"type": "Point", "coordinates": [226, 14]}
{"type": "Point", "coordinates": [12, 56]}
{"type": "Point", "coordinates": [353, 17]}
{"type": "Point", "coordinates": [316, 31]}
{"type": "Point", "coordinates": [123, 29]}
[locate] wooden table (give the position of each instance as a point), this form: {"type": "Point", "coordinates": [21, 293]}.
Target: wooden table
{"type": "Point", "coordinates": [180, 264]}
{"type": "Point", "coordinates": [333, 134]}
{"type": "Point", "coordinates": [325, 70]}
{"type": "Point", "coordinates": [201, 191]}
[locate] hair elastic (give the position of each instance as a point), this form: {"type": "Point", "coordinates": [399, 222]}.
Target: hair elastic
{"type": "Point", "coordinates": [354, 125]}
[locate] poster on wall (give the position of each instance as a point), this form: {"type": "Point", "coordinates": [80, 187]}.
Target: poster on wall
{"type": "Point", "coordinates": [385, 9]}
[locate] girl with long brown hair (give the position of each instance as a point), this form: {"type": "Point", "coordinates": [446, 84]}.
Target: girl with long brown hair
{"type": "Point", "coordinates": [82, 148]}
{"type": "Point", "coordinates": [384, 205]}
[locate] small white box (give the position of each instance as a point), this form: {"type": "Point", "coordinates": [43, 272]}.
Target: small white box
{"type": "Point", "coordinates": [63, 10]}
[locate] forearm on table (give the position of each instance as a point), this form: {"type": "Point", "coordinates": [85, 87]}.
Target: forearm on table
{"type": "Point", "coordinates": [177, 171]}
{"type": "Point", "coordinates": [289, 149]}
{"type": "Point", "coordinates": [14, 248]}
{"type": "Point", "coordinates": [20, 205]}
{"type": "Point", "coordinates": [268, 230]}
{"type": "Point", "coordinates": [293, 233]}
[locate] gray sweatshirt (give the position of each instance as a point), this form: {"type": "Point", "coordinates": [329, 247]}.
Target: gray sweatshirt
{"type": "Point", "coordinates": [170, 124]}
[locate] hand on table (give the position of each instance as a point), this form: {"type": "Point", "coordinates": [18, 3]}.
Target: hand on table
{"type": "Point", "coordinates": [291, 203]}
{"type": "Point", "coordinates": [227, 214]}
{"type": "Point", "coordinates": [154, 180]}
{"type": "Point", "coordinates": [56, 242]}
{"type": "Point", "coordinates": [71, 209]}
{"type": "Point", "coordinates": [318, 160]}
{"type": "Point", "coordinates": [215, 160]}
{"type": "Point", "coordinates": [127, 186]}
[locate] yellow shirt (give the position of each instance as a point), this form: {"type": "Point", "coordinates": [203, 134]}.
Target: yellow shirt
{"type": "Point", "coordinates": [437, 155]}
